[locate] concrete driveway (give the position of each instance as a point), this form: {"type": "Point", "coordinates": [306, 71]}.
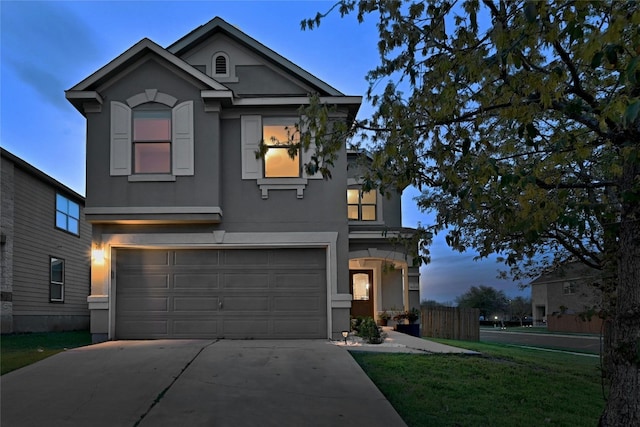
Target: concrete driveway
{"type": "Point", "coordinates": [195, 383]}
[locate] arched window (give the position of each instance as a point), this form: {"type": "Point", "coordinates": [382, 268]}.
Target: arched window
{"type": "Point", "coordinates": [221, 64]}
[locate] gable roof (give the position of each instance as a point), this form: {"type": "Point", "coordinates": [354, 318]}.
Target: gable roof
{"type": "Point", "coordinates": [85, 90]}
{"type": "Point", "coordinates": [134, 53]}
{"type": "Point", "coordinates": [43, 177]}
{"type": "Point", "coordinates": [218, 24]}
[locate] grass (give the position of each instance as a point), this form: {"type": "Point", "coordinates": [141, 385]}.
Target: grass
{"type": "Point", "coordinates": [505, 386]}
{"type": "Point", "coordinates": [18, 350]}
{"type": "Point", "coordinates": [536, 330]}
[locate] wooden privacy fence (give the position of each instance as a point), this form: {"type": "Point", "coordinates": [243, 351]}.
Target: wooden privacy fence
{"type": "Point", "coordinates": [451, 323]}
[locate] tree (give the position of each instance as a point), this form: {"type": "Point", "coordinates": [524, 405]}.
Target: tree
{"type": "Point", "coordinates": [429, 303]}
{"type": "Point", "coordinates": [520, 307]}
{"type": "Point", "coordinates": [490, 301]}
{"type": "Point", "coordinates": [519, 122]}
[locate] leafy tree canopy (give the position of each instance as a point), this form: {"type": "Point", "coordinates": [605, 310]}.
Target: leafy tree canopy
{"type": "Point", "coordinates": [519, 121]}
{"type": "Point", "coordinates": [488, 300]}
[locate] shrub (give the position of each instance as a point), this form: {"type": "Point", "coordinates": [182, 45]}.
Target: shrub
{"type": "Point", "coordinates": [369, 331]}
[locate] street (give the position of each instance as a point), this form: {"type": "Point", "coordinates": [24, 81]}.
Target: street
{"type": "Point", "coordinates": [581, 343]}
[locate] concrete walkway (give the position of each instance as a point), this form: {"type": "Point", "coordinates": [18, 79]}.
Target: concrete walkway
{"type": "Point", "coordinates": [397, 342]}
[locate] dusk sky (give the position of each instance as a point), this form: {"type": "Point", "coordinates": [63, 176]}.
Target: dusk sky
{"type": "Point", "coordinates": [48, 47]}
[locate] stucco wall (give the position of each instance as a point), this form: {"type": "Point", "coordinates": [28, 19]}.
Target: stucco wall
{"type": "Point", "coordinates": [201, 189]}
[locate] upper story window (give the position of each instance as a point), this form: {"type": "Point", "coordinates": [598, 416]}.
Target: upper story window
{"type": "Point", "coordinates": [67, 215]}
{"type": "Point", "coordinates": [220, 65]}
{"type": "Point", "coordinates": [56, 279]}
{"type": "Point", "coordinates": [279, 135]}
{"type": "Point", "coordinates": [569, 288]}
{"type": "Point", "coordinates": [361, 206]}
{"type": "Point", "coordinates": [152, 139]}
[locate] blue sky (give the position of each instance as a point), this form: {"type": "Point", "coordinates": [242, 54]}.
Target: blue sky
{"type": "Point", "coordinates": [47, 47]}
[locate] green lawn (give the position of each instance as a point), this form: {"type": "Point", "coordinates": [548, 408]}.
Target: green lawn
{"type": "Point", "coordinates": [504, 386]}
{"type": "Point", "coordinates": [18, 350]}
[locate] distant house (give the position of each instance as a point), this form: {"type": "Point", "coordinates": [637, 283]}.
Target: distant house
{"type": "Point", "coordinates": [559, 296]}
{"type": "Point", "coordinates": [199, 238]}
{"type": "Point", "coordinates": [44, 251]}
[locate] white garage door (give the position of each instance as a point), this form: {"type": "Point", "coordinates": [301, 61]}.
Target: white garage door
{"type": "Point", "coordinates": [231, 293]}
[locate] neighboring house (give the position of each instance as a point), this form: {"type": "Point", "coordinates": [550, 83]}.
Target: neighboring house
{"type": "Point", "coordinates": [44, 251]}
{"type": "Point", "coordinates": [565, 291]}
{"type": "Point", "coordinates": [193, 236]}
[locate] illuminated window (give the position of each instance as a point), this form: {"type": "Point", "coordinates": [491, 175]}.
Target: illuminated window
{"type": "Point", "coordinates": [56, 280]}
{"type": "Point", "coordinates": [361, 287]}
{"type": "Point", "coordinates": [361, 206]}
{"type": "Point", "coordinates": [67, 215]}
{"type": "Point", "coordinates": [279, 135]}
{"type": "Point", "coordinates": [152, 141]}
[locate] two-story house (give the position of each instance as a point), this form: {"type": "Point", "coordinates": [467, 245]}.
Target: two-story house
{"type": "Point", "coordinates": [44, 251]}
{"type": "Point", "coordinates": [196, 237]}
{"type": "Point", "coordinates": [559, 296]}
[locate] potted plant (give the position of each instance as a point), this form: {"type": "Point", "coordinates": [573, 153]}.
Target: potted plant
{"type": "Point", "coordinates": [407, 322]}
{"type": "Point", "coordinates": [383, 317]}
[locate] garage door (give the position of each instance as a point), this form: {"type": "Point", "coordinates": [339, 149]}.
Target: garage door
{"type": "Point", "coordinates": [231, 293]}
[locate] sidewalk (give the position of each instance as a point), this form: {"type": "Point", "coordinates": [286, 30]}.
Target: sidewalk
{"type": "Point", "coordinates": [397, 342]}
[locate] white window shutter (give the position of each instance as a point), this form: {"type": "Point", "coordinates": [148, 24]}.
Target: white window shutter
{"type": "Point", "coordinates": [182, 139]}
{"type": "Point", "coordinates": [120, 157]}
{"type": "Point", "coordinates": [251, 135]}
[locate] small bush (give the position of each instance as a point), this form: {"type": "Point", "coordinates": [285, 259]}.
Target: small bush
{"type": "Point", "coordinates": [369, 331]}
{"type": "Point", "coordinates": [356, 323]}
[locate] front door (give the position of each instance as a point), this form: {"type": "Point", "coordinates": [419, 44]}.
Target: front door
{"type": "Point", "coordinates": [361, 287]}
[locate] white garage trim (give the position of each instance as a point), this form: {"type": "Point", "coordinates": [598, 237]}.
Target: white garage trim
{"type": "Point", "coordinates": [225, 240]}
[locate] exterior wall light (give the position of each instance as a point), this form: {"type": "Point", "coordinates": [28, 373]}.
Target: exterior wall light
{"type": "Point", "coordinates": [97, 255]}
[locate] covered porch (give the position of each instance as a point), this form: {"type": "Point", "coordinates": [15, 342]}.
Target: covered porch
{"type": "Point", "coordinates": [382, 280]}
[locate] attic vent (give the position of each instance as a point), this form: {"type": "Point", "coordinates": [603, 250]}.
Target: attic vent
{"type": "Point", "coordinates": [220, 65]}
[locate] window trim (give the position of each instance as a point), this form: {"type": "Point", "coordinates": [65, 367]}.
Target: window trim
{"type": "Point", "coordinates": [182, 136]}
{"type": "Point", "coordinates": [149, 106]}
{"type": "Point", "coordinates": [66, 214]}
{"type": "Point", "coordinates": [359, 205]}
{"type": "Point", "coordinates": [52, 283]}
{"type": "Point", "coordinates": [569, 288]}
{"type": "Point", "coordinates": [288, 122]}
{"type": "Point", "coordinates": [214, 64]}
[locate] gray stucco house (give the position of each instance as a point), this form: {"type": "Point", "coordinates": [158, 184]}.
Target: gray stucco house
{"type": "Point", "coordinates": [193, 237]}
{"type": "Point", "coordinates": [44, 251]}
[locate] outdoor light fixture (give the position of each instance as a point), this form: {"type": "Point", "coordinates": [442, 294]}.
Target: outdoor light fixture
{"type": "Point", "coordinates": [345, 334]}
{"type": "Point", "coordinates": [98, 254]}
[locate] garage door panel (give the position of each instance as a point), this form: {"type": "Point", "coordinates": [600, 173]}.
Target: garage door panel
{"type": "Point", "coordinates": [195, 281]}
{"type": "Point", "coordinates": [195, 303]}
{"type": "Point", "coordinates": [245, 328]}
{"type": "Point", "coordinates": [137, 329]}
{"type": "Point", "coordinates": [245, 303]}
{"type": "Point", "coordinates": [269, 296]}
{"type": "Point", "coordinates": [195, 328]}
{"type": "Point", "coordinates": [139, 257]}
{"type": "Point", "coordinates": [242, 281]}
{"type": "Point", "coordinates": [246, 259]}
{"type": "Point", "coordinates": [311, 258]}
{"type": "Point", "coordinates": [144, 305]}
{"type": "Point", "coordinates": [297, 304]}
{"type": "Point", "coordinates": [297, 281]}
{"type": "Point", "coordinates": [196, 257]}
{"type": "Point", "coordinates": [148, 281]}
